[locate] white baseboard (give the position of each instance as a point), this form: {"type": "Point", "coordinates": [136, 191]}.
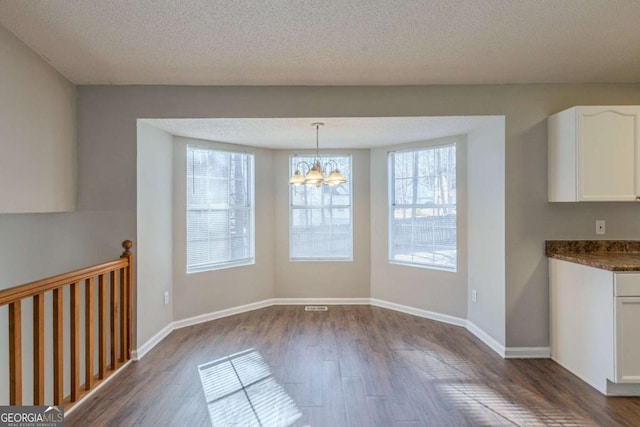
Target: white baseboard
{"type": "Point", "coordinates": [508, 352]}
{"type": "Point", "coordinates": [221, 313]}
{"type": "Point", "coordinates": [321, 301]}
{"type": "Point", "coordinates": [88, 395]}
{"type": "Point", "coordinates": [527, 353]}
{"type": "Point", "coordinates": [152, 342]}
{"type": "Point", "coordinates": [147, 346]}
{"type": "Point", "coordinates": [445, 318]}
{"type": "Point", "coordinates": [613, 389]}
{"type": "Point", "coordinates": [486, 338]}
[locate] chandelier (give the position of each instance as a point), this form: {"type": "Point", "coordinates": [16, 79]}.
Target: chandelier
{"type": "Point", "coordinates": [316, 171]}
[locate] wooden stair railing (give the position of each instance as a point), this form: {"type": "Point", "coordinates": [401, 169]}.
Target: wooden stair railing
{"type": "Point", "coordinates": [114, 335]}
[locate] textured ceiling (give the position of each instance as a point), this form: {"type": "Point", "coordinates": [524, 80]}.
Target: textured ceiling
{"type": "Point", "coordinates": [332, 42]}
{"type": "Point", "coordinates": [297, 133]}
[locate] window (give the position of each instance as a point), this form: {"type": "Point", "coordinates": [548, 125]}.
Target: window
{"type": "Point", "coordinates": [220, 212]}
{"type": "Point", "coordinates": [422, 208]}
{"type": "Point", "coordinates": [320, 226]}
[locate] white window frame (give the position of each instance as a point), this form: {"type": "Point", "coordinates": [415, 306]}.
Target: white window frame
{"type": "Point", "coordinates": [250, 260]}
{"type": "Point", "coordinates": [292, 167]}
{"type": "Point", "coordinates": [392, 206]}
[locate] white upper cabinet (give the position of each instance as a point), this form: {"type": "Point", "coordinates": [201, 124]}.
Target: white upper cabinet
{"type": "Point", "coordinates": [594, 154]}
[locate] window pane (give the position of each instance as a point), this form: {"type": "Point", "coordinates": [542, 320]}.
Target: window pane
{"type": "Point", "coordinates": [219, 209]}
{"type": "Point", "coordinates": [320, 225]}
{"type": "Point", "coordinates": [404, 191]}
{"type": "Point", "coordinates": [425, 193]}
{"type": "Point", "coordinates": [422, 217]}
{"type": "Point", "coordinates": [403, 164]}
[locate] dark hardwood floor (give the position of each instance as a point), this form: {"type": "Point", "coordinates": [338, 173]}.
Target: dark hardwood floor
{"type": "Point", "coordinates": [354, 366]}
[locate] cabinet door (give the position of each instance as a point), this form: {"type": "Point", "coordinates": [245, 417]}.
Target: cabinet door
{"type": "Point", "coordinates": [607, 157]}
{"type": "Point", "coordinates": [627, 346]}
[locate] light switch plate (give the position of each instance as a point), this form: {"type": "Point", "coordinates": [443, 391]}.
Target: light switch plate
{"type": "Point", "coordinates": [601, 226]}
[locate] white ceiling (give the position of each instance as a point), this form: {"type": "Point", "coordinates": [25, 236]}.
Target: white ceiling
{"type": "Point", "coordinates": [297, 133]}
{"type": "Point", "coordinates": [332, 42]}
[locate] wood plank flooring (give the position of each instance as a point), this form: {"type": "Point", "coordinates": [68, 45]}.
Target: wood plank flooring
{"type": "Point", "coordinates": [355, 366]}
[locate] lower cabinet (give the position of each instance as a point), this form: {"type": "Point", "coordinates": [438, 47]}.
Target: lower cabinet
{"type": "Point", "coordinates": [595, 325]}
{"type": "Point", "coordinates": [627, 361]}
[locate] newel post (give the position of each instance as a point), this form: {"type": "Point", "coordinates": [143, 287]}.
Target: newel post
{"type": "Point", "coordinates": [127, 244]}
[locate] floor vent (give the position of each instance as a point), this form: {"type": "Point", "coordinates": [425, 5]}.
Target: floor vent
{"type": "Point", "coordinates": [315, 308]}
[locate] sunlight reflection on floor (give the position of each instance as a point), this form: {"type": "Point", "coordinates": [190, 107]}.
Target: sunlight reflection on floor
{"type": "Point", "coordinates": [474, 395]}
{"type": "Point", "coordinates": [464, 396]}
{"type": "Point", "coordinates": [240, 390]}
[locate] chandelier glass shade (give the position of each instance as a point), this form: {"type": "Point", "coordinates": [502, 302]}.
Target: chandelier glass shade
{"type": "Point", "coordinates": [315, 172]}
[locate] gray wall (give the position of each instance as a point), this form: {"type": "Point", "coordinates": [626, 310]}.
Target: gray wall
{"type": "Point", "coordinates": [154, 273]}
{"type": "Point", "coordinates": [34, 245]}
{"type": "Point", "coordinates": [209, 291]}
{"type": "Point", "coordinates": [37, 174]}
{"type": "Point", "coordinates": [298, 279]}
{"type": "Point", "coordinates": [106, 137]}
{"type": "Point", "coordinates": [486, 219]}
{"type": "Point", "coordinates": [37, 132]}
{"type": "Point", "coordinates": [439, 291]}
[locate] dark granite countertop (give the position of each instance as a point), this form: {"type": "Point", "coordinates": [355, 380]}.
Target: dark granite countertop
{"type": "Point", "coordinates": [612, 255]}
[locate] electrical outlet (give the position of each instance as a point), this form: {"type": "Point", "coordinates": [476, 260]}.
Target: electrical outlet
{"type": "Point", "coordinates": [166, 297]}
{"type": "Point", "coordinates": [474, 295]}
{"type": "Point", "coordinates": [601, 226]}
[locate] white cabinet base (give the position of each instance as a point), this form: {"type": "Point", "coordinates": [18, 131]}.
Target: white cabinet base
{"type": "Point", "coordinates": [627, 339]}
{"type": "Point", "coordinates": [594, 330]}
{"type": "Point", "coordinates": [582, 321]}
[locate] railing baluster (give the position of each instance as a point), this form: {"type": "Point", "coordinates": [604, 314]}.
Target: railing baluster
{"type": "Point", "coordinates": [102, 326]}
{"type": "Point", "coordinates": [129, 314]}
{"type": "Point", "coordinates": [58, 352]}
{"type": "Point", "coordinates": [88, 334]}
{"type": "Point", "coordinates": [127, 244]}
{"type": "Point", "coordinates": [123, 316]}
{"type": "Point", "coordinates": [38, 349]}
{"type": "Point", "coordinates": [75, 340]}
{"type": "Point", "coordinates": [15, 353]}
{"type": "Point", "coordinates": [113, 328]}
{"type": "Point", "coordinates": [129, 310]}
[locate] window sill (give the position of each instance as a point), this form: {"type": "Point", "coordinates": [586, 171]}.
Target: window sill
{"type": "Point", "coordinates": [426, 266]}
{"type": "Point", "coordinates": [206, 268]}
{"type": "Point", "coordinates": [321, 259]}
